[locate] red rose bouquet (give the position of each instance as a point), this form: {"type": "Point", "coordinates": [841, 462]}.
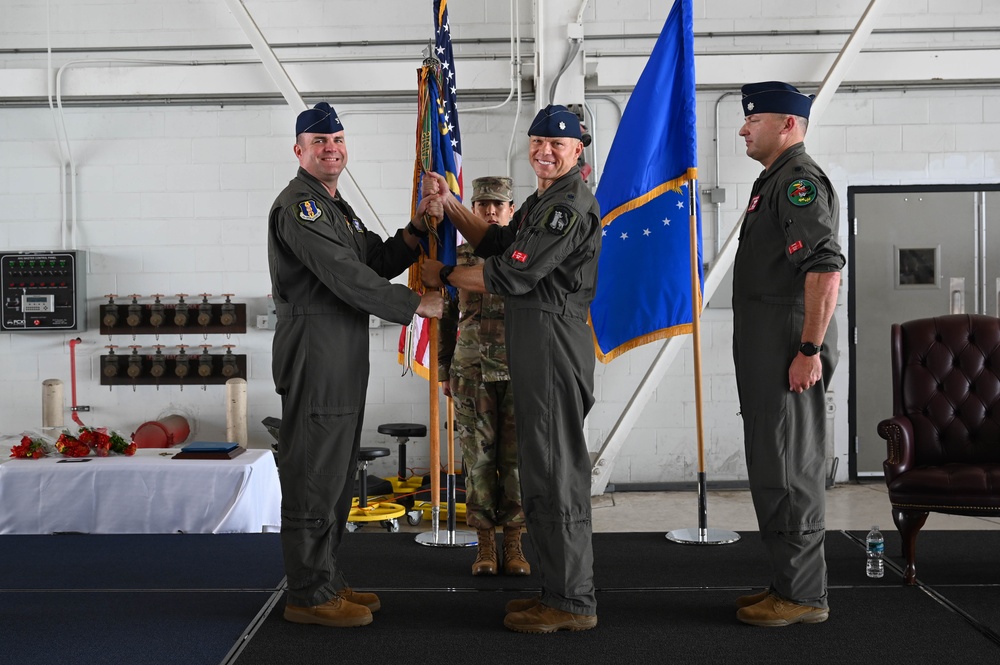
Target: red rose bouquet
{"type": "Point", "coordinates": [70, 446]}
{"type": "Point", "coordinates": [94, 438]}
{"type": "Point", "coordinates": [30, 448]}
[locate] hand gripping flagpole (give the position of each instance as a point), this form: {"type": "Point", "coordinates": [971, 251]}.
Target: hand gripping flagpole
{"type": "Point", "coordinates": [702, 535]}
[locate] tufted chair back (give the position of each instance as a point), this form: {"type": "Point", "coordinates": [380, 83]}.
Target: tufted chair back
{"type": "Point", "coordinates": [943, 439]}
{"type": "Point", "coordinates": [946, 381]}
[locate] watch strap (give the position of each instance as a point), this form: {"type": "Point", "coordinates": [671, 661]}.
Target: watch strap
{"type": "Point", "coordinates": [810, 349]}
{"type": "Point", "coordinates": [414, 231]}
{"type": "Point", "coordinates": [444, 273]}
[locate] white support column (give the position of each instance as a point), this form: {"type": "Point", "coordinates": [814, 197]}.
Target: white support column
{"type": "Point", "coordinates": [558, 36]}
{"type": "Point", "coordinates": [846, 58]}
{"type": "Point", "coordinates": [236, 411]}
{"type": "Point", "coordinates": [348, 186]}
{"type": "Point", "coordinates": [267, 57]}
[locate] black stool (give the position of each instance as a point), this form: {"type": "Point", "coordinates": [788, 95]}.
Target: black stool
{"type": "Point", "coordinates": [366, 455]}
{"type": "Point", "coordinates": [384, 512]}
{"type": "Point", "coordinates": [402, 432]}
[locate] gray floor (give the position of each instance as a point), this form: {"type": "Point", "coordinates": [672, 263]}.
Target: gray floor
{"type": "Point", "coordinates": [850, 506]}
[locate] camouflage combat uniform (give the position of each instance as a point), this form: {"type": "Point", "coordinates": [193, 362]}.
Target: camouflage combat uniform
{"type": "Point", "coordinates": [473, 356]}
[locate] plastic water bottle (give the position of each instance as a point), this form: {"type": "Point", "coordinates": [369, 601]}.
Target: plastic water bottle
{"type": "Point", "coordinates": [876, 545]}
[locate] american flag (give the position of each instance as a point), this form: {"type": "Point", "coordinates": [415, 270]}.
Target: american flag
{"type": "Point", "coordinates": [440, 150]}
{"type": "Point", "coordinates": [443, 52]}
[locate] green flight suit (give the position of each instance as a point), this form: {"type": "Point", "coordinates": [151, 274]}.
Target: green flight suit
{"type": "Point", "coordinates": [328, 273]}
{"type": "Point", "coordinates": [790, 229]}
{"type": "Point", "coordinates": [545, 265]}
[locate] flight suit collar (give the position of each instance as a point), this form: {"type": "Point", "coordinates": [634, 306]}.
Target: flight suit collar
{"type": "Point", "coordinates": [315, 184]}
{"type": "Point", "coordinates": [561, 184]}
{"type": "Point", "coordinates": [793, 151]}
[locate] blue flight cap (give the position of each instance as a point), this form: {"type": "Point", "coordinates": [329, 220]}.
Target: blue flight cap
{"type": "Point", "coordinates": [555, 120]}
{"type": "Point", "coordinates": [775, 97]}
{"type": "Point", "coordinates": [320, 119]}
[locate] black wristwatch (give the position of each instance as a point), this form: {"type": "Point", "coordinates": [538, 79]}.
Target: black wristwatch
{"type": "Point", "coordinates": [411, 227]}
{"type": "Point", "coordinates": [443, 275]}
{"type": "Point", "coordinates": [809, 349]}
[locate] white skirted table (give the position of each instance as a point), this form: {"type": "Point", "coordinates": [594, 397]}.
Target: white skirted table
{"type": "Point", "coordinates": [146, 493]}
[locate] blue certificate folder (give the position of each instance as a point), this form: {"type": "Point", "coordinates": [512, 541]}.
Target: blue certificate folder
{"type": "Point", "coordinates": [209, 450]}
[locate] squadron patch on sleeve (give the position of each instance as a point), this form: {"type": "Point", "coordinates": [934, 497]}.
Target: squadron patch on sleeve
{"type": "Point", "coordinates": [559, 220]}
{"type": "Point", "coordinates": [309, 211]}
{"type": "Point", "coordinates": [801, 192]}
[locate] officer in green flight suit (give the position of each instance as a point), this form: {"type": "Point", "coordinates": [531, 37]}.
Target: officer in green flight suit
{"type": "Point", "coordinates": [328, 274]}
{"type": "Point", "coordinates": [785, 283]}
{"type": "Point", "coordinates": [545, 265]}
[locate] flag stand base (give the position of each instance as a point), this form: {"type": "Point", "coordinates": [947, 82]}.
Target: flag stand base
{"type": "Point", "coordinates": [703, 536]}
{"type": "Point", "coordinates": [450, 537]}
{"type": "Point", "coordinates": [447, 538]}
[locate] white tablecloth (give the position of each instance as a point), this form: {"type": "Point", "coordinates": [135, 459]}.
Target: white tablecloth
{"type": "Point", "coordinates": [146, 493]}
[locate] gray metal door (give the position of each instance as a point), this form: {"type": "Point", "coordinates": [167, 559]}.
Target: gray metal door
{"type": "Point", "coordinates": [915, 252]}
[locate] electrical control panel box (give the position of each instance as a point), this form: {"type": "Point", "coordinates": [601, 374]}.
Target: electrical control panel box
{"type": "Point", "coordinates": [43, 290]}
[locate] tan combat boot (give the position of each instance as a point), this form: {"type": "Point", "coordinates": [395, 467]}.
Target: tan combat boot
{"type": "Point", "coordinates": [335, 612]}
{"type": "Point", "coordinates": [486, 556]}
{"type": "Point", "coordinates": [514, 562]}
{"type": "Point", "coordinates": [544, 619]}
{"type": "Point", "coordinates": [774, 611]}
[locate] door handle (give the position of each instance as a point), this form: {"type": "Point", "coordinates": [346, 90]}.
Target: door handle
{"type": "Point", "coordinates": [998, 297]}
{"type": "Point", "coordinates": [956, 295]}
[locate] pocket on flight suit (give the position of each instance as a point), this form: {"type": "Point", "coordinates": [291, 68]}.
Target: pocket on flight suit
{"type": "Point", "coordinates": [330, 433]}
{"type": "Point", "coordinates": [766, 449]}
{"type": "Point", "coordinates": [520, 253]}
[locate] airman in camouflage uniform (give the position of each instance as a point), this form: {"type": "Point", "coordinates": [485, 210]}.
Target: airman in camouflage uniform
{"type": "Point", "coordinates": [472, 359]}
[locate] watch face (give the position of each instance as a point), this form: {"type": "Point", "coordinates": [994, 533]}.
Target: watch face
{"type": "Point", "coordinates": [809, 349]}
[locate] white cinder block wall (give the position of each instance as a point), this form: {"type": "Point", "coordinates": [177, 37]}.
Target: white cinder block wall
{"type": "Point", "coordinates": [172, 198]}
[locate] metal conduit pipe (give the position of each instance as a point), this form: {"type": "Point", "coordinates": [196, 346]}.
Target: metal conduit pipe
{"type": "Point", "coordinates": [367, 43]}
{"type": "Point", "coordinates": [593, 129]}
{"type": "Point", "coordinates": [243, 47]}
{"type": "Point", "coordinates": [718, 174]}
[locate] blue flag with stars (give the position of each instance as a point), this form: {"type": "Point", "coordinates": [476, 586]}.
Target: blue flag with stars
{"type": "Point", "coordinates": [644, 277]}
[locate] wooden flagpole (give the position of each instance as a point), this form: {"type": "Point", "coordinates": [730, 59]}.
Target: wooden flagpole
{"type": "Point", "coordinates": [702, 535]}
{"type": "Point", "coordinates": [434, 538]}
{"type": "Point", "coordinates": [434, 428]}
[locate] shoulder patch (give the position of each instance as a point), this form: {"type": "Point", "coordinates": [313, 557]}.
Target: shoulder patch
{"type": "Point", "coordinates": [309, 211]}
{"type": "Point", "coordinates": [801, 192]}
{"type": "Point", "coordinates": [559, 220]}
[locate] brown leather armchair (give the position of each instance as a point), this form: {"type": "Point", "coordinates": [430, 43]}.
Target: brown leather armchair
{"type": "Point", "coordinates": [943, 439]}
